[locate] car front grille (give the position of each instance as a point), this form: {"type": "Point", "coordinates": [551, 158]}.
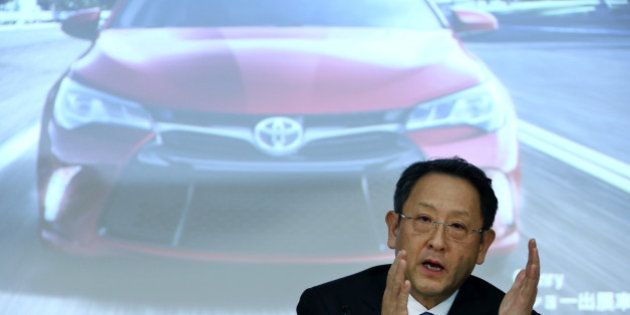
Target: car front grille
{"type": "Point", "coordinates": [199, 137]}
{"type": "Point", "coordinates": [210, 147]}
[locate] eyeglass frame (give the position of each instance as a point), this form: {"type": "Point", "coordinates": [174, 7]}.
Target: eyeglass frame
{"type": "Point", "coordinates": [444, 224]}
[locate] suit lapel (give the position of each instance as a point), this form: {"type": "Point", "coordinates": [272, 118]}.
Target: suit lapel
{"type": "Point", "coordinates": [473, 298]}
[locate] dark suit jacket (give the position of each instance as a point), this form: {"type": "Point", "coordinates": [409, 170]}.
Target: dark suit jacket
{"type": "Point", "coordinates": [362, 294]}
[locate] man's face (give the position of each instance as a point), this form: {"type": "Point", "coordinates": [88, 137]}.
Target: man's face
{"type": "Point", "coordinates": [436, 264]}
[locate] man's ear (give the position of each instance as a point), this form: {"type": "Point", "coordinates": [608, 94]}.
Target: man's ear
{"type": "Point", "coordinates": [391, 218]}
{"type": "Point", "coordinates": [486, 240]}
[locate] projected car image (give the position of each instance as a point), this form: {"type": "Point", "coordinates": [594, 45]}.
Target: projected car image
{"type": "Point", "coordinates": [266, 131]}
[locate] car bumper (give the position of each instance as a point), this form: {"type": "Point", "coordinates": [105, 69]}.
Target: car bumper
{"type": "Point", "coordinates": [142, 198]}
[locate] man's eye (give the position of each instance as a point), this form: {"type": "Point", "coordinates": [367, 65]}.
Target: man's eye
{"type": "Point", "coordinates": [424, 219]}
{"type": "Point", "coordinates": [458, 226]}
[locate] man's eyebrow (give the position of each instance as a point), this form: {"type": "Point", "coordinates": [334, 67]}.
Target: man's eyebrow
{"type": "Point", "coordinates": [427, 205]}
{"type": "Point", "coordinates": [460, 213]}
{"type": "Point", "coordinates": [453, 212]}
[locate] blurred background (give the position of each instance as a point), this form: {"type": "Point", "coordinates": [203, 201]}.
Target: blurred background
{"type": "Point", "coordinates": [565, 64]}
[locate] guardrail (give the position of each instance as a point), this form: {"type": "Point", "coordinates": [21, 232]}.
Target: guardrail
{"type": "Point", "coordinates": [24, 17]}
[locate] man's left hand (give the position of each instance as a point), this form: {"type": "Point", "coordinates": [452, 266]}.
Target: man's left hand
{"type": "Point", "coordinates": [519, 300]}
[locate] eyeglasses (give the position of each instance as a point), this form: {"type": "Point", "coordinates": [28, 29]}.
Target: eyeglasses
{"type": "Point", "coordinates": [456, 231]}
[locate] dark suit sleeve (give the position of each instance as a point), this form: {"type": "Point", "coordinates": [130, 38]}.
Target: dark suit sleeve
{"type": "Point", "coordinates": [310, 303]}
{"type": "Point", "coordinates": [357, 294]}
{"type": "Point", "coordinates": [476, 296]}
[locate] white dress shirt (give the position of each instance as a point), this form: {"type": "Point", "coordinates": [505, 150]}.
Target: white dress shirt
{"type": "Point", "coordinates": [414, 307]}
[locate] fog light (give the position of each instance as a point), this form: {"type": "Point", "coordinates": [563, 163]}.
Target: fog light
{"type": "Point", "coordinates": [56, 189]}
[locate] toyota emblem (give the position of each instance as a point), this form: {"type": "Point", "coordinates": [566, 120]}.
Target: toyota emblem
{"type": "Point", "coordinates": [278, 135]}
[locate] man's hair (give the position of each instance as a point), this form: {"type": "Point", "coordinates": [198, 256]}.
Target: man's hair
{"type": "Point", "coordinates": [455, 166]}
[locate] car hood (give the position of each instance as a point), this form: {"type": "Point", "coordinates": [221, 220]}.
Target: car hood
{"type": "Point", "coordinates": [278, 70]}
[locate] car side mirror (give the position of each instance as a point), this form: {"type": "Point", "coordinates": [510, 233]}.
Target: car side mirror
{"type": "Point", "coordinates": [83, 24]}
{"type": "Point", "coordinates": [466, 20]}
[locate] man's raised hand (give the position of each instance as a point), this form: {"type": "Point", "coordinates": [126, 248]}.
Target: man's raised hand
{"type": "Point", "coordinates": [519, 300]}
{"type": "Point", "coordinates": [396, 288]}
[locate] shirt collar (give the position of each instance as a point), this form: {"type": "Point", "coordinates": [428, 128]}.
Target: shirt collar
{"type": "Point", "coordinates": [414, 307]}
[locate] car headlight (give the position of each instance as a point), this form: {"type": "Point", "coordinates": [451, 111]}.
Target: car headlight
{"type": "Point", "coordinates": [483, 106]}
{"type": "Point", "coordinates": [77, 105]}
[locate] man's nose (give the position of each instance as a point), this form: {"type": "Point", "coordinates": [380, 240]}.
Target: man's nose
{"type": "Point", "coordinates": [437, 235]}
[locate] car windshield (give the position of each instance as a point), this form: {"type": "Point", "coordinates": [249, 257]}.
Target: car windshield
{"type": "Point", "coordinates": [414, 14]}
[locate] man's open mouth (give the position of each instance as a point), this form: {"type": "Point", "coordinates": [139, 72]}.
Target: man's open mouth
{"type": "Point", "coordinates": [433, 265]}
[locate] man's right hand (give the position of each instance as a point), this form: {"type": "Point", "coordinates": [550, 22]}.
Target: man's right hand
{"type": "Point", "coordinates": [397, 287]}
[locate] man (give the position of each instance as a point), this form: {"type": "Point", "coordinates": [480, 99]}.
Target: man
{"type": "Point", "coordinates": [440, 228]}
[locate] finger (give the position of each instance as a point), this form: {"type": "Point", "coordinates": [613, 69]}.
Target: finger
{"type": "Point", "coordinates": [393, 269]}
{"type": "Point", "coordinates": [399, 277]}
{"type": "Point", "coordinates": [533, 261]}
{"type": "Point", "coordinates": [394, 278]}
{"type": "Point", "coordinates": [518, 281]}
{"type": "Point", "coordinates": [403, 297]}
{"type": "Point", "coordinates": [529, 287]}
{"type": "Point", "coordinates": [532, 269]}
